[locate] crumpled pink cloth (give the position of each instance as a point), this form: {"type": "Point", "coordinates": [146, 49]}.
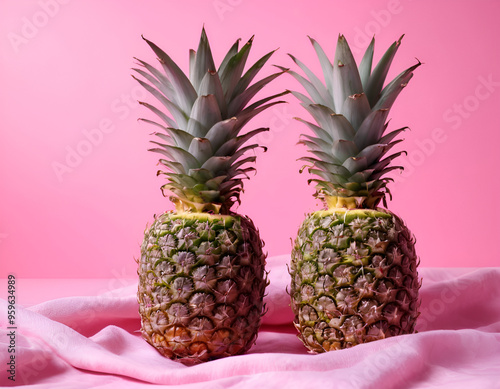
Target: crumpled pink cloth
{"type": "Point", "coordinates": [93, 342]}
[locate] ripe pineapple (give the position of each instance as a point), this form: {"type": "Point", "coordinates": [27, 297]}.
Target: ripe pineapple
{"type": "Point", "coordinates": [201, 271]}
{"type": "Point", "coordinates": [354, 266]}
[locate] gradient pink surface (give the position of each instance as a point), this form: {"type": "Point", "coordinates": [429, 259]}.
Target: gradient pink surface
{"type": "Point", "coordinates": [65, 78]}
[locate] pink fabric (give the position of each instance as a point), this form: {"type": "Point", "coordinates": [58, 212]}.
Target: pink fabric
{"type": "Point", "coordinates": [93, 342]}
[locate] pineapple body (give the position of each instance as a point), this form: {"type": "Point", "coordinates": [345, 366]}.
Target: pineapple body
{"type": "Point", "coordinates": [354, 278]}
{"type": "Point", "coordinates": [201, 285]}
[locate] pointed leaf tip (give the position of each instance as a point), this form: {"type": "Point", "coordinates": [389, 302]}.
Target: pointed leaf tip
{"type": "Point", "coordinates": [280, 67]}
{"type": "Point", "coordinates": [250, 41]}
{"type": "Point", "coordinates": [203, 33]}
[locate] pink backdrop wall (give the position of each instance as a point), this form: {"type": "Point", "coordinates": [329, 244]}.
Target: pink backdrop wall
{"type": "Point", "coordinates": [65, 76]}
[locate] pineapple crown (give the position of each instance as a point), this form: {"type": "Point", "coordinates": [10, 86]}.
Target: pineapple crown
{"type": "Point", "coordinates": [201, 139]}
{"type": "Point", "coordinates": [350, 107]}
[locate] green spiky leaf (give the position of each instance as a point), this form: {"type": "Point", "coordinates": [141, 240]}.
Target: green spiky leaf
{"type": "Point", "coordinates": [204, 154]}
{"type": "Point", "coordinates": [351, 121]}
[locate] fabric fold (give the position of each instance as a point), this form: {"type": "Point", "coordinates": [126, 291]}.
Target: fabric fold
{"type": "Point", "coordinates": [94, 341]}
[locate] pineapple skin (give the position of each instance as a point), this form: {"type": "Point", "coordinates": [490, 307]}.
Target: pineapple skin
{"type": "Point", "coordinates": [354, 278]}
{"type": "Point", "coordinates": [201, 285]}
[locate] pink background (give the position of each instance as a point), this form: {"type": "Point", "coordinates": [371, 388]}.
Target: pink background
{"type": "Point", "coordinates": [65, 71]}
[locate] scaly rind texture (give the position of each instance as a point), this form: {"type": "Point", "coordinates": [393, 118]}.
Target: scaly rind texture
{"type": "Point", "coordinates": [201, 140]}
{"type": "Point", "coordinates": [354, 278]}
{"type": "Point", "coordinates": [201, 285]}
{"type": "Point", "coordinates": [350, 153]}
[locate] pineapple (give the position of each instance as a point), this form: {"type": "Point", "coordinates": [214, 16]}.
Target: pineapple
{"type": "Point", "coordinates": [353, 266]}
{"type": "Point", "coordinates": [202, 268]}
